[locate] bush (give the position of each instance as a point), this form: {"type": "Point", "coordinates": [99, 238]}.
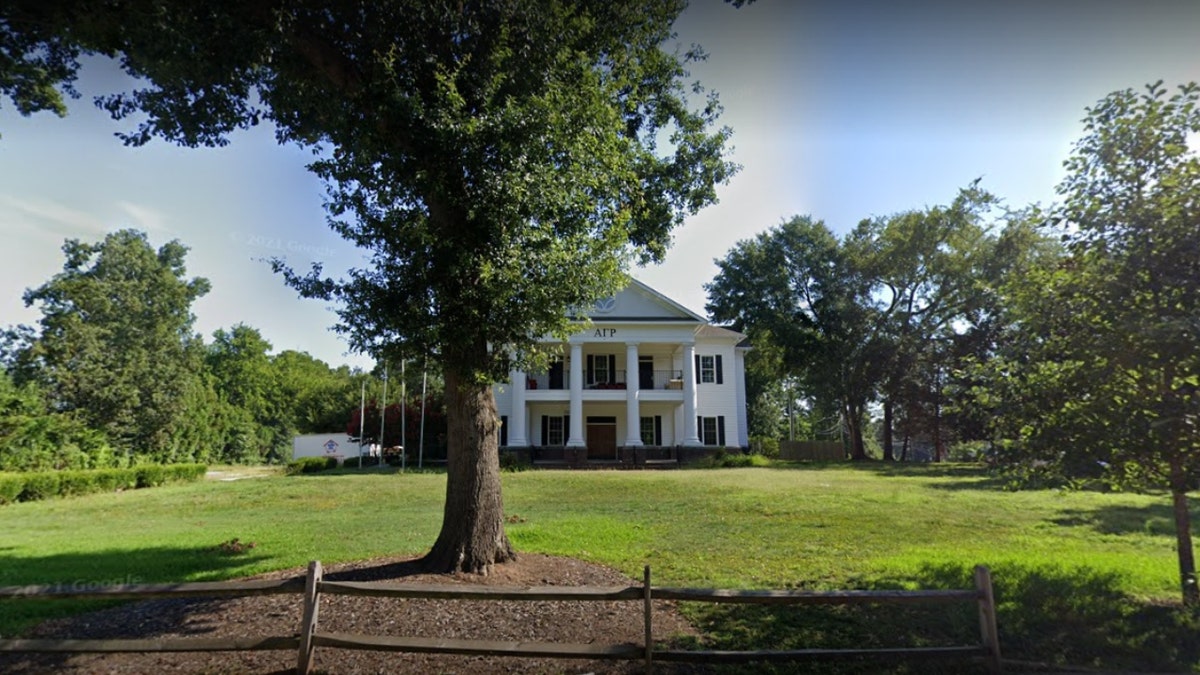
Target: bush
{"type": "Point", "coordinates": [353, 462]}
{"type": "Point", "coordinates": [185, 473]}
{"type": "Point", "coordinates": [311, 465]}
{"type": "Point", "coordinates": [113, 480]}
{"type": "Point", "coordinates": [151, 475]}
{"type": "Point", "coordinates": [40, 485]}
{"type": "Point", "coordinates": [512, 461]}
{"type": "Point", "coordinates": [72, 483]}
{"type": "Point", "coordinates": [723, 459]}
{"type": "Point", "coordinates": [44, 484]}
{"type": "Point", "coordinates": [766, 446]}
{"type": "Point", "coordinates": [11, 486]}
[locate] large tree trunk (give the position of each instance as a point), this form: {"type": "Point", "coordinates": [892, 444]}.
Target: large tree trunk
{"type": "Point", "coordinates": [472, 537]}
{"type": "Point", "coordinates": [1183, 534]}
{"type": "Point", "coordinates": [858, 450]}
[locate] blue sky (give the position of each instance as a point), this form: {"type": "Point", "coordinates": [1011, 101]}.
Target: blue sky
{"type": "Point", "coordinates": [842, 110]}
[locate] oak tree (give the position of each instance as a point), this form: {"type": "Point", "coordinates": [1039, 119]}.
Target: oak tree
{"type": "Point", "coordinates": [503, 162]}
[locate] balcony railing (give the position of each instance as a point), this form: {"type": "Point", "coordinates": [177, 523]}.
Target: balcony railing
{"type": "Point", "coordinates": [657, 379]}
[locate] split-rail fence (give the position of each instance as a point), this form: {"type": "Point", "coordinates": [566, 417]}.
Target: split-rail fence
{"type": "Point", "coordinates": [312, 586]}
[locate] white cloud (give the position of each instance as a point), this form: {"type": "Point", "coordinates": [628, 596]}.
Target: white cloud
{"type": "Point", "coordinates": [145, 218]}
{"type": "Point", "coordinates": [47, 217]}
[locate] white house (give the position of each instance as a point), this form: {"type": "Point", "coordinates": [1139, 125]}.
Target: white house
{"type": "Point", "coordinates": [649, 380]}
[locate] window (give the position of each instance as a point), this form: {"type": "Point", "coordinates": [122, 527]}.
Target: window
{"type": "Point", "coordinates": [648, 431]}
{"type": "Point", "coordinates": [709, 370]}
{"type": "Point", "coordinates": [601, 369]}
{"type": "Point", "coordinates": [554, 435]}
{"type": "Point", "coordinates": [711, 430]}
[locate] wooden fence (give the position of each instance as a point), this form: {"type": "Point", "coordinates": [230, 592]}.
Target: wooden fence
{"type": "Point", "coordinates": [313, 586]}
{"type": "Point", "coordinates": [811, 450]}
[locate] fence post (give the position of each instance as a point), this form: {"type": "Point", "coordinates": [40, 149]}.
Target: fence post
{"type": "Point", "coordinates": [309, 625]}
{"type": "Point", "coordinates": [987, 617]}
{"type": "Point", "coordinates": [648, 610]}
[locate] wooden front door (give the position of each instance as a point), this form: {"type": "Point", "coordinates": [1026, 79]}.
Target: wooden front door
{"type": "Point", "coordinates": [601, 441]}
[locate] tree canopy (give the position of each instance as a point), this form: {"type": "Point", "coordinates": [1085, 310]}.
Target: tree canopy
{"type": "Point", "coordinates": [504, 162]}
{"type": "Point", "coordinates": [1100, 374]}
{"type": "Point", "coordinates": [115, 334]}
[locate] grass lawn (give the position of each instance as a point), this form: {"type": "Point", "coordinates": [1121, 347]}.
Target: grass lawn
{"type": "Point", "coordinates": [1082, 578]}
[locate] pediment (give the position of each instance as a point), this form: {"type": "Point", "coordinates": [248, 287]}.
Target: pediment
{"type": "Point", "coordinates": [639, 302]}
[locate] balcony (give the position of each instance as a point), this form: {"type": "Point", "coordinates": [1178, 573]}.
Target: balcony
{"type": "Point", "coordinates": [605, 380]}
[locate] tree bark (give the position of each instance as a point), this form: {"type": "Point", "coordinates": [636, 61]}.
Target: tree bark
{"type": "Point", "coordinates": [1183, 534]}
{"type": "Point", "coordinates": [472, 537]}
{"type": "Point", "coordinates": [858, 450]}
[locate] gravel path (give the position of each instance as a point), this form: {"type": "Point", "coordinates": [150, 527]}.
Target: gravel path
{"type": "Point", "coordinates": [579, 622]}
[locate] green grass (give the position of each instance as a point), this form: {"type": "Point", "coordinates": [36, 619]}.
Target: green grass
{"type": "Point", "coordinates": [1082, 578]}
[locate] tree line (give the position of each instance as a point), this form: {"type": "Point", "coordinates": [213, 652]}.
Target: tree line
{"type": "Point", "coordinates": [114, 375]}
{"type": "Point", "coordinates": [1065, 339]}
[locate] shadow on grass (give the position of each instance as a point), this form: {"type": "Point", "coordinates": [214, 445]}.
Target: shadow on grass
{"type": "Point", "coordinates": [102, 569]}
{"type": "Point", "coordinates": [1075, 617]}
{"type": "Point", "coordinates": [969, 476]}
{"type": "Point", "coordinates": [1152, 519]}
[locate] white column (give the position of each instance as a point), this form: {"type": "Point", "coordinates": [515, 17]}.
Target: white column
{"type": "Point", "coordinates": [739, 374]}
{"type": "Point", "coordinates": [633, 417]}
{"type": "Point", "coordinates": [516, 416]}
{"type": "Point", "coordinates": [575, 438]}
{"type": "Point", "coordinates": [689, 395]}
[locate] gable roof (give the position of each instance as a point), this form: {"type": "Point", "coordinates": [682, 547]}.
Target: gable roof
{"type": "Point", "coordinates": [639, 302]}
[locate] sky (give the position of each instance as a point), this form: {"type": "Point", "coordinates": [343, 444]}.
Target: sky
{"type": "Point", "coordinates": [839, 110]}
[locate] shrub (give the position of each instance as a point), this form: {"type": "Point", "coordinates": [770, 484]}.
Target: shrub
{"type": "Point", "coordinates": [40, 485]}
{"type": "Point", "coordinates": [512, 461]}
{"type": "Point", "coordinates": [11, 486]}
{"type": "Point", "coordinates": [113, 480]}
{"type": "Point", "coordinates": [766, 446]}
{"type": "Point", "coordinates": [72, 483]}
{"type": "Point", "coordinates": [723, 459]}
{"type": "Point", "coordinates": [353, 462]}
{"type": "Point", "coordinates": [185, 473]}
{"type": "Point", "coordinates": [151, 475]}
{"type": "Point", "coordinates": [311, 465]}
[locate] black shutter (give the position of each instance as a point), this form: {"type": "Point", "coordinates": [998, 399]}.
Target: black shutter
{"type": "Point", "coordinates": [697, 369]}
{"type": "Point", "coordinates": [545, 431]}
{"type": "Point", "coordinates": [566, 428]}
{"type": "Point", "coordinates": [612, 367]}
{"type": "Point", "coordinates": [658, 430]}
{"type": "Point", "coordinates": [503, 430]}
{"type": "Point", "coordinates": [591, 378]}
{"type": "Point", "coordinates": [720, 378]}
{"type": "Point", "coordinates": [721, 431]}
{"type": "Point", "coordinates": [700, 430]}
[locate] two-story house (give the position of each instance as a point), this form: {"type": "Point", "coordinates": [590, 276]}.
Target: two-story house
{"type": "Point", "coordinates": [648, 381]}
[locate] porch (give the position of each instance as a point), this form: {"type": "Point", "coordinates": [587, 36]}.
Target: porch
{"type": "Point", "coordinates": [639, 457]}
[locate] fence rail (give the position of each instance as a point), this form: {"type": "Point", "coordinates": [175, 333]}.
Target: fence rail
{"type": "Point", "coordinates": [312, 586]}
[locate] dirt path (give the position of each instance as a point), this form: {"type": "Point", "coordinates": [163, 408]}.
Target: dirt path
{"type": "Point", "coordinates": [578, 622]}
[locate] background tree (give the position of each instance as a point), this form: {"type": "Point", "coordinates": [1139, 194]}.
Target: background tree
{"type": "Point", "coordinates": [113, 345]}
{"type": "Point", "coordinates": [1101, 372]}
{"type": "Point", "coordinates": [501, 161]}
{"type": "Point", "coordinates": [928, 284]}
{"type": "Point", "coordinates": [797, 283]}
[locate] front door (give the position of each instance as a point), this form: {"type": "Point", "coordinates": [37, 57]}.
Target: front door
{"type": "Point", "coordinates": [602, 441]}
